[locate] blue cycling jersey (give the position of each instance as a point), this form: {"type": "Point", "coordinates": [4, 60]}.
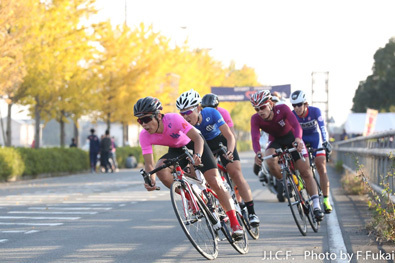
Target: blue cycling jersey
{"type": "Point", "coordinates": [312, 124]}
{"type": "Point", "coordinates": [211, 121]}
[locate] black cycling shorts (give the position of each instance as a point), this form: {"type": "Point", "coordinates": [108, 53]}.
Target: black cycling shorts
{"type": "Point", "coordinates": [214, 145]}
{"type": "Point", "coordinates": [285, 142]}
{"type": "Point", "coordinates": [208, 159]}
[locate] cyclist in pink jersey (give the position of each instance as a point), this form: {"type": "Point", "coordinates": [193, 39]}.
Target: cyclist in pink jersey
{"type": "Point", "coordinates": [172, 130]}
{"type": "Point", "coordinates": [284, 130]}
{"type": "Point", "coordinates": [211, 100]}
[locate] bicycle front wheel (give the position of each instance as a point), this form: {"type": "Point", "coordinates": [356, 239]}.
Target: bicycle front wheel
{"type": "Point", "coordinates": [194, 221]}
{"type": "Point", "coordinates": [295, 202]}
{"type": "Point", "coordinates": [308, 209]}
{"type": "Point", "coordinates": [316, 179]}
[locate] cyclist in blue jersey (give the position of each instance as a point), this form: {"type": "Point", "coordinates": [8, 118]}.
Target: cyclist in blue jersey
{"type": "Point", "coordinates": [314, 132]}
{"type": "Point", "coordinates": [214, 129]}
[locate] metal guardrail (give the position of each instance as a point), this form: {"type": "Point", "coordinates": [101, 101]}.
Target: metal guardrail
{"type": "Point", "coordinates": [376, 154]}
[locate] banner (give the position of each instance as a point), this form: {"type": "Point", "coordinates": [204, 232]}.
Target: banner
{"type": "Point", "coordinates": [370, 122]}
{"type": "Point", "coordinates": [244, 93]}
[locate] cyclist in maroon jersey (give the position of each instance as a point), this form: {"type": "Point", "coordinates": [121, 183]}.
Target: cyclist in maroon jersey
{"type": "Point", "coordinates": [284, 130]}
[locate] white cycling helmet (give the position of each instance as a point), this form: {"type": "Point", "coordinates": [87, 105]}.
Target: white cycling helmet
{"type": "Point", "coordinates": [188, 99]}
{"type": "Point", "coordinates": [298, 97]}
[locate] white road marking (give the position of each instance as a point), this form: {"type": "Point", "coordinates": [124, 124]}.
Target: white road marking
{"type": "Point", "coordinates": [336, 241]}
{"type": "Point", "coordinates": [68, 208]}
{"type": "Point", "coordinates": [30, 224]}
{"type": "Point", "coordinates": [52, 212]}
{"type": "Point", "coordinates": [31, 232]}
{"type": "Point", "coordinates": [3, 240]}
{"type": "Point", "coordinates": [39, 217]}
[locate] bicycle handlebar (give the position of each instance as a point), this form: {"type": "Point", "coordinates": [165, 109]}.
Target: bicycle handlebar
{"type": "Point", "coordinates": [223, 149]}
{"type": "Point", "coordinates": [312, 150]}
{"type": "Point", "coordinates": [279, 151]}
{"type": "Point", "coordinates": [168, 163]}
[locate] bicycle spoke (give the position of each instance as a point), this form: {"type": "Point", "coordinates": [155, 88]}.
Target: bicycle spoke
{"type": "Point", "coordinates": [295, 202]}
{"type": "Point", "coordinates": [194, 222]}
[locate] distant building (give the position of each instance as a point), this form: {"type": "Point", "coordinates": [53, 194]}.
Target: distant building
{"type": "Point", "coordinates": [22, 132]}
{"type": "Point", "coordinates": [355, 124]}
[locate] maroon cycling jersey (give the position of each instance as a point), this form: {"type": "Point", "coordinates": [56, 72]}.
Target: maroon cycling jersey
{"type": "Point", "coordinates": [282, 123]}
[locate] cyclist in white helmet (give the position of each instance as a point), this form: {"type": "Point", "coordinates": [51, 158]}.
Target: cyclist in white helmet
{"type": "Point", "coordinates": [284, 130]}
{"type": "Point", "coordinates": [172, 130]}
{"type": "Point", "coordinates": [214, 129]}
{"type": "Point", "coordinates": [314, 132]}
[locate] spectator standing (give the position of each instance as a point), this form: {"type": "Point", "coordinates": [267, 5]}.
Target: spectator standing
{"type": "Point", "coordinates": [73, 144]}
{"type": "Point", "coordinates": [94, 148]}
{"type": "Point", "coordinates": [105, 151]}
{"type": "Point", "coordinates": [113, 153]}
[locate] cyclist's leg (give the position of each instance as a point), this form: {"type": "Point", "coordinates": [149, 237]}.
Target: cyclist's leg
{"type": "Point", "coordinates": [307, 175]}
{"type": "Point", "coordinates": [320, 162]}
{"type": "Point", "coordinates": [274, 168]}
{"type": "Point", "coordinates": [311, 186]}
{"type": "Point", "coordinates": [234, 170]}
{"type": "Point", "coordinates": [165, 175]}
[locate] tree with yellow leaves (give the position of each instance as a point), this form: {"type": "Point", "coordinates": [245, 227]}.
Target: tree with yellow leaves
{"type": "Point", "coordinates": [14, 25]}
{"type": "Point", "coordinates": [57, 35]}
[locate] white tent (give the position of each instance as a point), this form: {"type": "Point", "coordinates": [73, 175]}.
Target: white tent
{"type": "Point", "coordinates": [355, 123]}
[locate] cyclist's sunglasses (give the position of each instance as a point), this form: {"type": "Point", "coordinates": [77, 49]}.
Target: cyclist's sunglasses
{"type": "Point", "coordinates": [145, 119]}
{"type": "Point", "coordinates": [297, 105]}
{"type": "Point", "coordinates": [264, 106]}
{"type": "Point", "coordinates": [188, 112]}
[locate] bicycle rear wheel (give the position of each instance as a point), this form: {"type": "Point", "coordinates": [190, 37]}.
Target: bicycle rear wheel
{"type": "Point", "coordinates": [195, 223]}
{"type": "Point", "coordinates": [253, 231]}
{"type": "Point", "coordinates": [241, 245]}
{"type": "Point", "coordinates": [295, 202]}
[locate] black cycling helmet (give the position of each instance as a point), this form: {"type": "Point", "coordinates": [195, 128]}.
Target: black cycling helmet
{"type": "Point", "coordinates": [210, 100]}
{"type": "Point", "coordinates": [147, 105]}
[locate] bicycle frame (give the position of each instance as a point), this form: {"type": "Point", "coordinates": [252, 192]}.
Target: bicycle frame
{"type": "Point", "coordinates": [287, 165]}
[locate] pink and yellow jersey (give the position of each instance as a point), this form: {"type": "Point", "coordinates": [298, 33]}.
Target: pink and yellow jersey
{"type": "Point", "coordinates": [225, 114]}
{"type": "Point", "coordinates": [173, 135]}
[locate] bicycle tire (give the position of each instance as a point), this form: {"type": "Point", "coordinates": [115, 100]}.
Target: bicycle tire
{"type": "Point", "coordinates": [252, 231]}
{"type": "Point", "coordinates": [295, 202]}
{"type": "Point", "coordinates": [320, 193]}
{"type": "Point", "coordinates": [308, 206]}
{"type": "Point", "coordinates": [196, 225]}
{"type": "Point", "coordinates": [241, 245]}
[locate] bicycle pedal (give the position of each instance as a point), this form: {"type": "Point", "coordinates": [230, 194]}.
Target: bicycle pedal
{"type": "Point", "coordinates": [217, 226]}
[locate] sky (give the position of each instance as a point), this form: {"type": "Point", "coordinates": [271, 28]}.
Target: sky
{"type": "Point", "coordinates": [284, 41]}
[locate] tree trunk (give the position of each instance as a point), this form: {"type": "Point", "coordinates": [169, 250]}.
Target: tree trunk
{"type": "Point", "coordinates": [62, 132]}
{"type": "Point", "coordinates": [76, 133]}
{"type": "Point", "coordinates": [37, 124]}
{"type": "Point", "coordinates": [2, 128]}
{"type": "Point", "coordinates": [109, 122]}
{"type": "Point", "coordinates": [125, 132]}
{"type": "Point", "coordinates": [9, 129]}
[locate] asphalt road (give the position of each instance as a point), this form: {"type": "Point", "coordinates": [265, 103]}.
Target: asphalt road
{"type": "Point", "coordinates": [111, 218]}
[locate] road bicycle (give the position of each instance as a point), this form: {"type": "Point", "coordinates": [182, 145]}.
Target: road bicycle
{"type": "Point", "coordinates": [197, 209]}
{"type": "Point", "coordinates": [299, 200]}
{"type": "Point", "coordinates": [241, 209]}
{"type": "Point", "coordinates": [311, 151]}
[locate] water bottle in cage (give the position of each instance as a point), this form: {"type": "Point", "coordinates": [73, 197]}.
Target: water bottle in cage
{"type": "Point", "coordinates": [297, 180]}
